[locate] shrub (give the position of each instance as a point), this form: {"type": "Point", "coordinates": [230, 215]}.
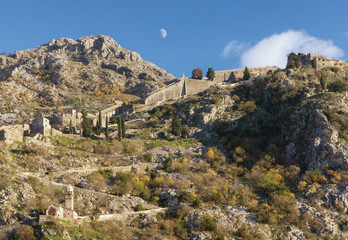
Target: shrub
{"type": "Point", "coordinates": [148, 157]}
{"type": "Point", "coordinates": [245, 232]}
{"type": "Point", "coordinates": [86, 146]}
{"type": "Point", "coordinates": [101, 148]}
{"type": "Point", "coordinates": [185, 130]}
{"type": "Point", "coordinates": [116, 147]}
{"type": "Point", "coordinates": [214, 157]}
{"type": "Point", "coordinates": [206, 223]}
{"type": "Point", "coordinates": [338, 86]}
{"type": "Point", "coordinates": [24, 232]}
{"type": "Point", "coordinates": [197, 73]}
{"type": "Point", "coordinates": [133, 146]}
{"type": "Point", "coordinates": [97, 181]}
{"type": "Point", "coordinates": [139, 208]}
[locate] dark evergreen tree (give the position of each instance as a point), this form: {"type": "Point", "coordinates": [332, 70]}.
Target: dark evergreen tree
{"type": "Point", "coordinates": [86, 126]}
{"type": "Point", "coordinates": [119, 129]}
{"type": "Point", "coordinates": [106, 128]}
{"type": "Point", "coordinates": [70, 127]}
{"type": "Point", "coordinates": [99, 123]}
{"type": "Point", "coordinates": [246, 74]}
{"type": "Point", "coordinates": [123, 126]}
{"type": "Point", "coordinates": [197, 73]}
{"type": "Point", "coordinates": [211, 74]}
{"type": "Point", "coordinates": [176, 126]}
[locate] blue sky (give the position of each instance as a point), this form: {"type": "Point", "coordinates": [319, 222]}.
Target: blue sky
{"type": "Point", "coordinates": [198, 31]}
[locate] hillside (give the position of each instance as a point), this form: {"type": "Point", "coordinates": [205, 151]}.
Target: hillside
{"type": "Point", "coordinates": [89, 72]}
{"type": "Point", "coordinates": [261, 159]}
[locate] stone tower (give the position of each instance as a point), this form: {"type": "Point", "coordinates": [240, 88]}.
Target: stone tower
{"type": "Point", "coordinates": [69, 197]}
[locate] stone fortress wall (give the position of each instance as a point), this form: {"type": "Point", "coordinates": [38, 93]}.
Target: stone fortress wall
{"type": "Point", "coordinates": [235, 75]}
{"type": "Point", "coordinates": [183, 87]}
{"type": "Point", "coordinates": [314, 60]}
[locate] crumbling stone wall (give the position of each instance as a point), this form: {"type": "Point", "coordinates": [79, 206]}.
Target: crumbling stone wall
{"type": "Point", "coordinates": [14, 133]}
{"type": "Point", "coordinates": [314, 60]}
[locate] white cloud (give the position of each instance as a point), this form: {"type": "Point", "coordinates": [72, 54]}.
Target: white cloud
{"type": "Point", "coordinates": [233, 46]}
{"type": "Point", "coordinates": [273, 50]}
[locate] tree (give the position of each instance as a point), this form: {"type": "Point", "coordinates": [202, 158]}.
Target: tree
{"type": "Point", "coordinates": [176, 126]}
{"type": "Point", "coordinates": [323, 82]}
{"type": "Point", "coordinates": [119, 129]}
{"type": "Point", "coordinates": [123, 126]}
{"type": "Point", "coordinates": [211, 74]}
{"type": "Point", "coordinates": [246, 74]}
{"type": "Point", "coordinates": [86, 126]}
{"type": "Point", "coordinates": [99, 123]}
{"type": "Point", "coordinates": [197, 73]}
{"type": "Point", "coordinates": [106, 128]}
{"type": "Point", "coordinates": [70, 127]}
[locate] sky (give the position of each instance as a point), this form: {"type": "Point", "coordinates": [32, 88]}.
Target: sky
{"type": "Point", "coordinates": [223, 34]}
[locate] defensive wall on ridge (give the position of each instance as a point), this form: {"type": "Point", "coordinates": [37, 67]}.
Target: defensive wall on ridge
{"type": "Point", "coordinates": [181, 88]}
{"type": "Point", "coordinates": [187, 86]}
{"type": "Point", "coordinates": [235, 75]}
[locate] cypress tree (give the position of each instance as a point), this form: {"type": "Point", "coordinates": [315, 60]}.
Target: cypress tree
{"type": "Point", "coordinates": [86, 127]}
{"type": "Point", "coordinates": [123, 127]}
{"type": "Point", "coordinates": [99, 123]}
{"type": "Point", "coordinates": [106, 128]}
{"type": "Point", "coordinates": [119, 129]}
{"type": "Point", "coordinates": [211, 74]}
{"type": "Point", "coordinates": [70, 127]}
{"type": "Point", "coordinates": [176, 126]}
{"type": "Point", "coordinates": [246, 74]}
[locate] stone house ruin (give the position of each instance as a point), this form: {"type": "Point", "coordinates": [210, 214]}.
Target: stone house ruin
{"type": "Point", "coordinates": [14, 133]}
{"type": "Point", "coordinates": [67, 212]}
{"type": "Point", "coordinates": [42, 126]}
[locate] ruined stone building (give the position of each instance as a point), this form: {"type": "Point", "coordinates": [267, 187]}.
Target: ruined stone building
{"type": "Point", "coordinates": [314, 60]}
{"type": "Point", "coordinates": [42, 126]}
{"type": "Point", "coordinates": [67, 211]}
{"type": "Point", "coordinates": [14, 133]}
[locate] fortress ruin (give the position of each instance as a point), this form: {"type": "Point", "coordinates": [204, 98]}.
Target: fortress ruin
{"type": "Point", "coordinates": [314, 60]}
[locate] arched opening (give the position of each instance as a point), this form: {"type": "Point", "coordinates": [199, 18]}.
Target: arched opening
{"type": "Point", "coordinates": [52, 212]}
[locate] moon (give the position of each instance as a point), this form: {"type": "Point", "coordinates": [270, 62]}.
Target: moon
{"type": "Point", "coordinates": [163, 33]}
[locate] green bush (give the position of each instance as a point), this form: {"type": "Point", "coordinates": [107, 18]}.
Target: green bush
{"type": "Point", "coordinates": [139, 208]}
{"type": "Point", "coordinates": [148, 157]}
{"type": "Point", "coordinates": [206, 223]}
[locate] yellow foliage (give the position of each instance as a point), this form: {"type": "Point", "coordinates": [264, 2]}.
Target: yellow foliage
{"type": "Point", "coordinates": [253, 203]}
{"type": "Point", "coordinates": [210, 154]}
{"type": "Point", "coordinates": [145, 179]}
{"type": "Point", "coordinates": [212, 172]}
{"type": "Point", "coordinates": [302, 185]}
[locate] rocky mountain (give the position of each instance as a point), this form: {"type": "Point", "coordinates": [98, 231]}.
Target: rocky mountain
{"type": "Point", "coordinates": [261, 159]}
{"type": "Point", "coordinates": [65, 69]}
